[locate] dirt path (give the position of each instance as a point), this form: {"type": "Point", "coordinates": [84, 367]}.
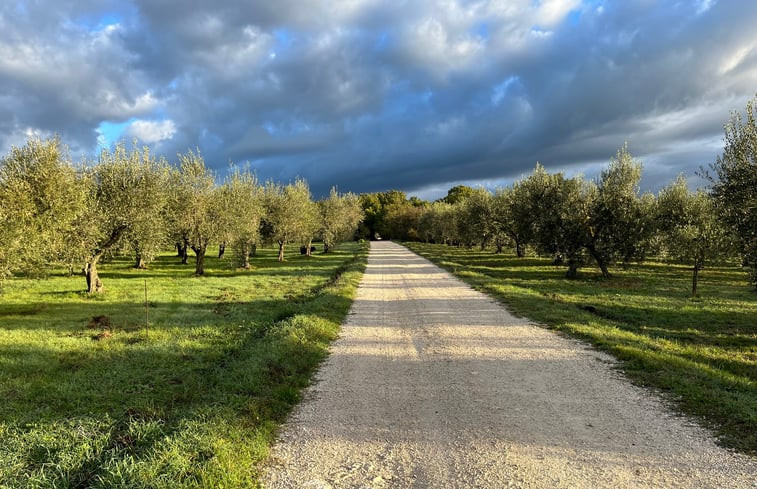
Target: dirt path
{"type": "Point", "coordinates": [435, 385]}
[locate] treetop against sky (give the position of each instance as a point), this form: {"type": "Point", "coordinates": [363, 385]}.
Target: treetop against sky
{"type": "Point", "coordinates": [371, 95]}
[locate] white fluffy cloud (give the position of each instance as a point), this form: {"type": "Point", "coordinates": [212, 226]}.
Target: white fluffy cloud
{"type": "Point", "coordinates": [150, 132]}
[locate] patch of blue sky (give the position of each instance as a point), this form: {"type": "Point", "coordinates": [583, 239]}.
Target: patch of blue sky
{"type": "Point", "coordinates": [481, 30]}
{"type": "Point", "coordinates": [382, 41]}
{"type": "Point", "coordinates": [587, 6]}
{"type": "Point", "coordinates": [270, 128]}
{"type": "Point", "coordinates": [109, 133]}
{"type": "Point", "coordinates": [574, 17]}
{"type": "Point", "coordinates": [499, 91]}
{"type": "Point", "coordinates": [21, 7]}
{"type": "Point", "coordinates": [96, 22]}
{"type": "Point", "coordinates": [284, 38]}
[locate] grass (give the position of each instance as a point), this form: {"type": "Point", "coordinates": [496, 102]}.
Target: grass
{"type": "Point", "coordinates": [92, 399]}
{"type": "Point", "coordinates": [701, 351]}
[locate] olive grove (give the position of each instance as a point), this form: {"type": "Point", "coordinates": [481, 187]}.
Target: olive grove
{"type": "Point", "coordinates": [129, 201]}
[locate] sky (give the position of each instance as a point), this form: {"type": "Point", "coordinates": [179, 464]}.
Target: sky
{"type": "Point", "coordinates": [371, 95]}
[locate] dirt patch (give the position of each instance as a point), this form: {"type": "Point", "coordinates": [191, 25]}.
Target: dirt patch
{"type": "Point", "coordinates": [102, 335]}
{"type": "Point", "coordinates": [99, 322]}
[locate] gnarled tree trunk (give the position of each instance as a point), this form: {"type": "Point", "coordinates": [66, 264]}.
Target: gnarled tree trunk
{"type": "Point", "coordinates": [572, 269]}
{"type": "Point", "coordinates": [200, 257]}
{"type": "Point", "coordinates": [281, 250]}
{"type": "Point", "coordinates": [600, 261]}
{"type": "Point", "coordinates": [140, 262]}
{"type": "Point", "coordinates": [221, 250]}
{"type": "Point", "coordinates": [520, 249]}
{"type": "Point", "coordinates": [695, 278]}
{"type": "Point", "coordinates": [94, 284]}
{"type": "Point", "coordinates": [184, 251]}
{"type": "Point", "coordinates": [245, 256]}
{"type": "Point", "coordinates": [309, 251]}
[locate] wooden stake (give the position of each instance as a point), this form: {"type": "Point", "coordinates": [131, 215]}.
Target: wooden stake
{"type": "Point", "coordinates": [147, 314]}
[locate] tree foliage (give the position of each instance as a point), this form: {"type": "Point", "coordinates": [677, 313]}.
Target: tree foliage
{"type": "Point", "coordinates": [126, 196]}
{"type": "Point", "coordinates": [734, 183]}
{"type": "Point", "coordinates": [340, 216]}
{"type": "Point", "coordinates": [691, 230]}
{"type": "Point", "coordinates": [41, 201]}
{"type": "Point", "coordinates": [242, 201]}
{"type": "Point", "coordinates": [617, 224]}
{"type": "Point", "coordinates": [291, 214]}
{"type": "Point", "coordinates": [200, 213]}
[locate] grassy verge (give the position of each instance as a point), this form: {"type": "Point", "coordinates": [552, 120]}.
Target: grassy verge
{"type": "Point", "coordinates": [92, 399]}
{"type": "Point", "coordinates": [701, 351]}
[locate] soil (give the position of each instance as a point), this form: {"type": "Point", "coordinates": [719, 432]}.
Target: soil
{"type": "Point", "coordinates": [434, 385]}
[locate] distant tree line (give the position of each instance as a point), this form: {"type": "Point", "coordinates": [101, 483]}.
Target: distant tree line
{"type": "Point", "coordinates": [604, 221]}
{"type": "Point", "coordinates": [130, 201]}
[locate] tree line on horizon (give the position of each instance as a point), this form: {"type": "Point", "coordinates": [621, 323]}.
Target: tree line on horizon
{"type": "Point", "coordinates": [130, 201]}
{"type": "Point", "coordinates": [604, 221]}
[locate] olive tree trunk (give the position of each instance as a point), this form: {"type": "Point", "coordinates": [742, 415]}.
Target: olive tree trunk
{"type": "Point", "coordinates": [200, 258]}
{"type": "Point", "coordinates": [94, 284]}
{"type": "Point", "coordinates": [520, 250]}
{"type": "Point", "coordinates": [245, 262]}
{"type": "Point", "coordinates": [600, 261]}
{"type": "Point", "coordinates": [572, 269]}
{"type": "Point", "coordinates": [695, 277]}
{"type": "Point", "coordinates": [184, 251]}
{"type": "Point", "coordinates": [281, 250]}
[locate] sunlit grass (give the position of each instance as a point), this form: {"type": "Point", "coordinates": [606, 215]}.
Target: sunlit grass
{"type": "Point", "coordinates": [193, 400]}
{"type": "Point", "coordinates": [701, 351]}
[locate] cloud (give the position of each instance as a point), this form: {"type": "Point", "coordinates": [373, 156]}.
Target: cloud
{"type": "Point", "coordinates": [150, 132]}
{"type": "Point", "coordinates": [370, 95]}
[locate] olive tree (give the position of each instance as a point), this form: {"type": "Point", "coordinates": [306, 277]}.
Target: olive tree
{"type": "Point", "coordinates": [561, 211]}
{"type": "Point", "coordinates": [126, 192]}
{"type": "Point", "coordinates": [734, 183]}
{"type": "Point", "coordinates": [617, 222]}
{"type": "Point", "coordinates": [438, 223]}
{"type": "Point", "coordinates": [340, 216]}
{"type": "Point", "coordinates": [42, 197]}
{"type": "Point", "coordinates": [690, 228]}
{"type": "Point", "coordinates": [243, 200]}
{"type": "Point", "coordinates": [200, 214]}
{"type": "Point", "coordinates": [291, 215]}
{"type": "Point", "coordinates": [476, 218]}
{"type": "Point", "coordinates": [514, 216]}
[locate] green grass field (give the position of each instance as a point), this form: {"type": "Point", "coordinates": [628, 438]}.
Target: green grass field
{"type": "Point", "coordinates": [702, 352]}
{"type": "Point", "coordinates": [193, 401]}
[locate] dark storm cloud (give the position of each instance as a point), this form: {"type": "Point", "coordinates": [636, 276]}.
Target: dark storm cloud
{"type": "Point", "coordinates": [370, 95]}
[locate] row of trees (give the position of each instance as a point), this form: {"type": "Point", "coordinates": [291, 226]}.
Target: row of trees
{"type": "Point", "coordinates": [602, 221]}
{"type": "Point", "coordinates": [577, 221]}
{"type": "Point", "coordinates": [132, 201]}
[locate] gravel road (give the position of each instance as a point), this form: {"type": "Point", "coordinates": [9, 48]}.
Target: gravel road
{"type": "Point", "coordinates": [434, 385]}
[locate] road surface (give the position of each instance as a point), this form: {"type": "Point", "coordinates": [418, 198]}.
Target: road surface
{"type": "Point", "coordinates": [434, 385]}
